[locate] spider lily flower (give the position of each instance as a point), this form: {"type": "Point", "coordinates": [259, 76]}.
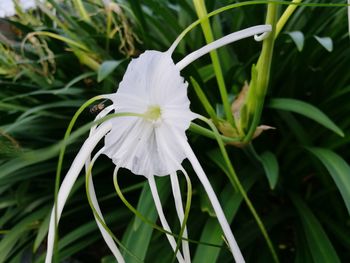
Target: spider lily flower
{"type": "Point", "coordinates": [27, 4]}
{"type": "Point", "coordinates": [152, 142]}
{"type": "Point", "coordinates": [7, 8]}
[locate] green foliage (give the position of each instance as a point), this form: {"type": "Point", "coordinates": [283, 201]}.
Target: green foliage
{"type": "Point", "coordinates": [55, 58]}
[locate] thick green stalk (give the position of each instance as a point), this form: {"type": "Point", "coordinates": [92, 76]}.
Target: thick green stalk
{"type": "Point", "coordinates": [286, 15]}
{"type": "Point", "coordinates": [208, 34]}
{"type": "Point", "coordinates": [78, 4]}
{"type": "Point", "coordinates": [259, 85]}
{"type": "Point", "coordinates": [237, 185]}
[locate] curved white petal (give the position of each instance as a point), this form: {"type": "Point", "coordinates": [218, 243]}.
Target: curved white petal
{"type": "Point", "coordinates": [162, 218]}
{"type": "Point", "coordinates": [248, 32]}
{"type": "Point", "coordinates": [180, 212]}
{"type": "Point", "coordinates": [106, 236]}
{"type": "Point", "coordinates": [69, 181]}
{"type": "Point", "coordinates": [213, 199]}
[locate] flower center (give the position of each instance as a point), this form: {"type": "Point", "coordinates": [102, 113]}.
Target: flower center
{"type": "Point", "coordinates": [153, 113]}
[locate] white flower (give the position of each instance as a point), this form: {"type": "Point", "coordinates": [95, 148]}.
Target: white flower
{"type": "Point", "coordinates": [7, 8]}
{"type": "Point", "coordinates": [152, 86]}
{"type": "Point", "coordinates": [153, 142]}
{"type": "Point", "coordinates": [27, 4]}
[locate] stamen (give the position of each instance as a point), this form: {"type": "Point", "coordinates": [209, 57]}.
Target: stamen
{"type": "Point", "coordinates": [153, 113]}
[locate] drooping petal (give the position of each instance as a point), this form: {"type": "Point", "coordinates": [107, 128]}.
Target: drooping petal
{"type": "Point", "coordinates": [162, 218]}
{"type": "Point", "coordinates": [180, 212]}
{"type": "Point", "coordinates": [248, 32]}
{"type": "Point", "coordinates": [213, 199]}
{"type": "Point", "coordinates": [106, 236]}
{"type": "Point", "coordinates": [69, 181]}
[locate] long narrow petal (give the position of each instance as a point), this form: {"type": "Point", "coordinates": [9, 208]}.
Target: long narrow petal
{"type": "Point", "coordinates": [213, 199]}
{"type": "Point", "coordinates": [248, 32]}
{"type": "Point", "coordinates": [106, 236]}
{"type": "Point", "coordinates": [180, 212]}
{"type": "Point", "coordinates": [162, 218]}
{"type": "Point", "coordinates": [69, 181]}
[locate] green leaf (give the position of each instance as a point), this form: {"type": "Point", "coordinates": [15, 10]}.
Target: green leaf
{"type": "Point", "coordinates": [338, 169]}
{"type": "Point", "coordinates": [42, 232]}
{"type": "Point", "coordinates": [298, 39]}
{"type": "Point", "coordinates": [270, 164]}
{"type": "Point", "coordinates": [107, 68]}
{"type": "Point", "coordinates": [306, 110]}
{"type": "Point", "coordinates": [325, 42]}
{"type": "Point", "coordinates": [320, 246]}
{"type": "Point", "coordinates": [20, 230]}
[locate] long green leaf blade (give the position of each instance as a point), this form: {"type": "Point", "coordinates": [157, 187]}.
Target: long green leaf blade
{"type": "Point", "coordinates": [338, 169]}
{"type": "Point", "coordinates": [306, 110]}
{"type": "Point", "coordinates": [320, 246]}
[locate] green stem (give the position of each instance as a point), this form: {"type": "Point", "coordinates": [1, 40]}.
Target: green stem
{"type": "Point", "coordinates": [81, 9]}
{"type": "Point", "coordinates": [100, 220]}
{"type": "Point", "coordinates": [263, 73]}
{"type": "Point", "coordinates": [237, 185]}
{"type": "Point", "coordinates": [286, 15]}
{"type": "Point", "coordinates": [208, 34]}
{"type": "Point", "coordinates": [109, 25]}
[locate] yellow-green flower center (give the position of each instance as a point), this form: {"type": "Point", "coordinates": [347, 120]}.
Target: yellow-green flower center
{"type": "Point", "coordinates": [153, 113]}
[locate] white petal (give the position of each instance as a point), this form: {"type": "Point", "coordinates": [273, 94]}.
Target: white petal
{"type": "Point", "coordinates": [106, 236]}
{"type": "Point", "coordinates": [214, 200]}
{"type": "Point", "coordinates": [162, 218]}
{"type": "Point", "coordinates": [69, 181]}
{"type": "Point", "coordinates": [27, 4]}
{"type": "Point", "coordinates": [248, 32]}
{"type": "Point", "coordinates": [7, 8]}
{"type": "Point", "coordinates": [180, 212]}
